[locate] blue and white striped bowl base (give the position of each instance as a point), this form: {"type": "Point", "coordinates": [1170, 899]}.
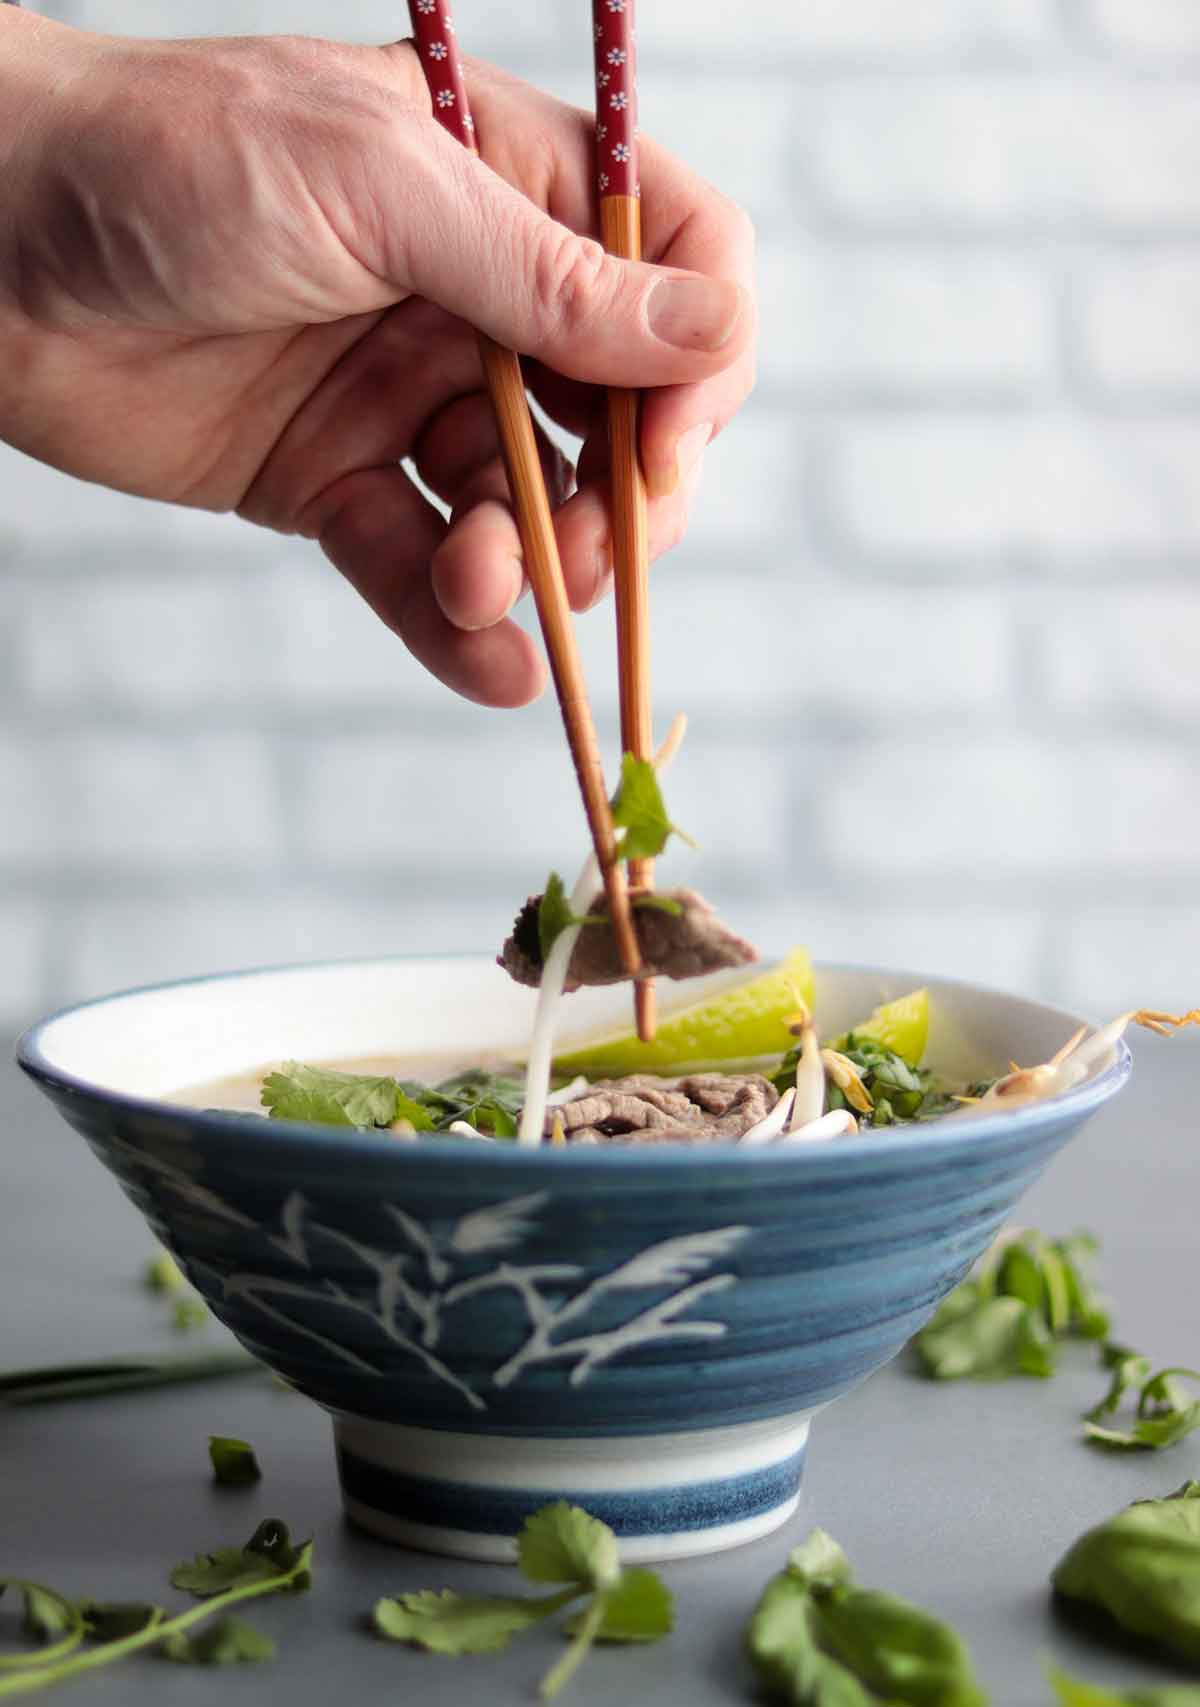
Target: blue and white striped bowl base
{"type": "Point", "coordinates": [665, 1495]}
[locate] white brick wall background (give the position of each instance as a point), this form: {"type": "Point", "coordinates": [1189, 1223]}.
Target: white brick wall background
{"type": "Point", "coordinates": [937, 623]}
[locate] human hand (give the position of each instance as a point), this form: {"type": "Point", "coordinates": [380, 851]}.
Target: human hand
{"type": "Point", "coordinates": [245, 275]}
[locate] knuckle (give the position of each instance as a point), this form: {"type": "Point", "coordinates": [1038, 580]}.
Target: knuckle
{"type": "Point", "coordinates": [568, 282]}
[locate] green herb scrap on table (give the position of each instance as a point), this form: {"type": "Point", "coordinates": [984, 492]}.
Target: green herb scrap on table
{"type": "Point", "coordinates": [1028, 1293]}
{"type": "Point", "coordinates": [559, 1544]}
{"type": "Point", "coordinates": [78, 1636]}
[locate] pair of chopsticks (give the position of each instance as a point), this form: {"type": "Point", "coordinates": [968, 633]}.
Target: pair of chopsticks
{"type": "Point", "coordinates": [620, 217]}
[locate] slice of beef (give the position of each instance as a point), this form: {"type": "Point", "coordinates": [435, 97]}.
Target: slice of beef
{"type": "Point", "coordinates": [702, 1108]}
{"type": "Point", "coordinates": [674, 945]}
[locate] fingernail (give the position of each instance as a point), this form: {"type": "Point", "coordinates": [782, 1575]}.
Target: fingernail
{"type": "Point", "coordinates": [694, 313]}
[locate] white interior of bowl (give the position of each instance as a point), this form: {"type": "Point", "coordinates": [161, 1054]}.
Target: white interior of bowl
{"type": "Point", "coordinates": [152, 1043]}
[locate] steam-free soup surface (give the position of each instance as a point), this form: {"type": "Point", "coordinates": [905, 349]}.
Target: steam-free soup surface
{"type": "Point", "coordinates": [241, 1092]}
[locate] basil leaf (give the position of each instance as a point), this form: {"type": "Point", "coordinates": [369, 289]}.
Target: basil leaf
{"type": "Point", "coordinates": [1142, 1569]}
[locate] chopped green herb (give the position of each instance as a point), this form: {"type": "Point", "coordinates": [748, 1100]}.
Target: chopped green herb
{"type": "Point", "coordinates": [985, 1338]}
{"type": "Point", "coordinates": [658, 904]}
{"type": "Point", "coordinates": [227, 1642]}
{"type": "Point", "coordinates": [268, 1564]}
{"type": "Point", "coordinates": [554, 915]}
{"type": "Point", "coordinates": [233, 1461]}
{"type": "Point", "coordinates": [490, 1102]}
{"type": "Point", "coordinates": [163, 1274]}
{"type": "Point", "coordinates": [562, 1544]}
{"type": "Point", "coordinates": [330, 1098]}
{"type": "Point", "coordinates": [1028, 1293]}
{"type": "Point", "coordinates": [637, 1608]}
{"type": "Point", "coordinates": [817, 1640]}
{"type": "Point", "coordinates": [269, 1554]}
{"type": "Point", "coordinates": [638, 808]}
{"type": "Point", "coordinates": [1072, 1693]}
{"type": "Point", "coordinates": [899, 1092]}
{"type": "Point", "coordinates": [1166, 1409]}
{"type": "Point", "coordinates": [112, 1621]}
{"type": "Point", "coordinates": [450, 1623]}
{"type": "Point", "coordinates": [559, 1544]}
{"type": "Point", "coordinates": [188, 1314]}
{"type": "Point", "coordinates": [1142, 1569]}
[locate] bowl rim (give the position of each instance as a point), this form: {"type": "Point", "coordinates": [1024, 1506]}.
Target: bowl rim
{"type": "Point", "coordinates": [227, 1129]}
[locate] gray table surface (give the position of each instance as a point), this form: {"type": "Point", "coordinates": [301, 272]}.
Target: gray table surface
{"type": "Point", "coordinates": [961, 1497]}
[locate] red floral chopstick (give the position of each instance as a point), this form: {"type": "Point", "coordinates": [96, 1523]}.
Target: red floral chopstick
{"type": "Point", "coordinates": [616, 98]}
{"type": "Point", "coordinates": [433, 31]}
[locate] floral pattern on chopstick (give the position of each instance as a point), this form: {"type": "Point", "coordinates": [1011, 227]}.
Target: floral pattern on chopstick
{"type": "Point", "coordinates": [433, 35]}
{"type": "Point", "coordinates": [616, 99]}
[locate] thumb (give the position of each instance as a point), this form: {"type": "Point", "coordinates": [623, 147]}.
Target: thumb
{"type": "Point", "coordinates": [482, 250]}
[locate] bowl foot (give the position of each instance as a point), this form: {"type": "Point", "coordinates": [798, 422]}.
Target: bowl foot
{"type": "Point", "coordinates": [666, 1496]}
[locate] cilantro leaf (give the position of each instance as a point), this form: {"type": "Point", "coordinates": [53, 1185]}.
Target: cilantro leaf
{"type": "Point", "coordinates": [638, 1608]}
{"type": "Point", "coordinates": [268, 1564]}
{"type": "Point", "coordinates": [227, 1642]}
{"type": "Point", "coordinates": [1027, 1293]}
{"type": "Point", "coordinates": [819, 1562]}
{"type": "Point", "coordinates": [233, 1461]}
{"type": "Point", "coordinates": [450, 1623]}
{"type": "Point", "coordinates": [1166, 1412]}
{"type": "Point", "coordinates": [46, 1615]}
{"type": "Point", "coordinates": [268, 1553]}
{"type": "Point", "coordinates": [112, 1621]}
{"type": "Point", "coordinates": [987, 1338]}
{"type": "Point", "coordinates": [330, 1098]}
{"type": "Point", "coordinates": [817, 1640]}
{"type": "Point", "coordinates": [638, 808]}
{"type": "Point", "coordinates": [554, 914]}
{"type": "Point", "coordinates": [562, 1544]}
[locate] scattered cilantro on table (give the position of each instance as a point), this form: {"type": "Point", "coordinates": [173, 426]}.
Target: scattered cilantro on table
{"type": "Point", "coordinates": [1166, 1410]}
{"type": "Point", "coordinates": [1027, 1294]}
{"type": "Point", "coordinates": [81, 1636]}
{"type": "Point", "coordinates": [559, 1544]}
{"type": "Point", "coordinates": [1072, 1693]}
{"type": "Point", "coordinates": [818, 1640]}
{"type": "Point", "coordinates": [233, 1461]}
{"type": "Point", "coordinates": [1141, 1569]}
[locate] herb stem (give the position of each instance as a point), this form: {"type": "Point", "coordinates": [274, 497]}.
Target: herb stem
{"type": "Point", "coordinates": [42, 1676]}
{"type": "Point", "coordinates": [560, 1674]}
{"type": "Point", "coordinates": [66, 1645]}
{"type": "Point", "coordinates": [118, 1375]}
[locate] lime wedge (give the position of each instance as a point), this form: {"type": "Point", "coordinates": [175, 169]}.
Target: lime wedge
{"type": "Point", "coordinates": [737, 1024]}
{"type": "Point", "coordinates": [902, 1025]}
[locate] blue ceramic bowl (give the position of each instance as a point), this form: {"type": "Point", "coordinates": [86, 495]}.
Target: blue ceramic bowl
{"type": "Point", "coordinates": [645, 1331]}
